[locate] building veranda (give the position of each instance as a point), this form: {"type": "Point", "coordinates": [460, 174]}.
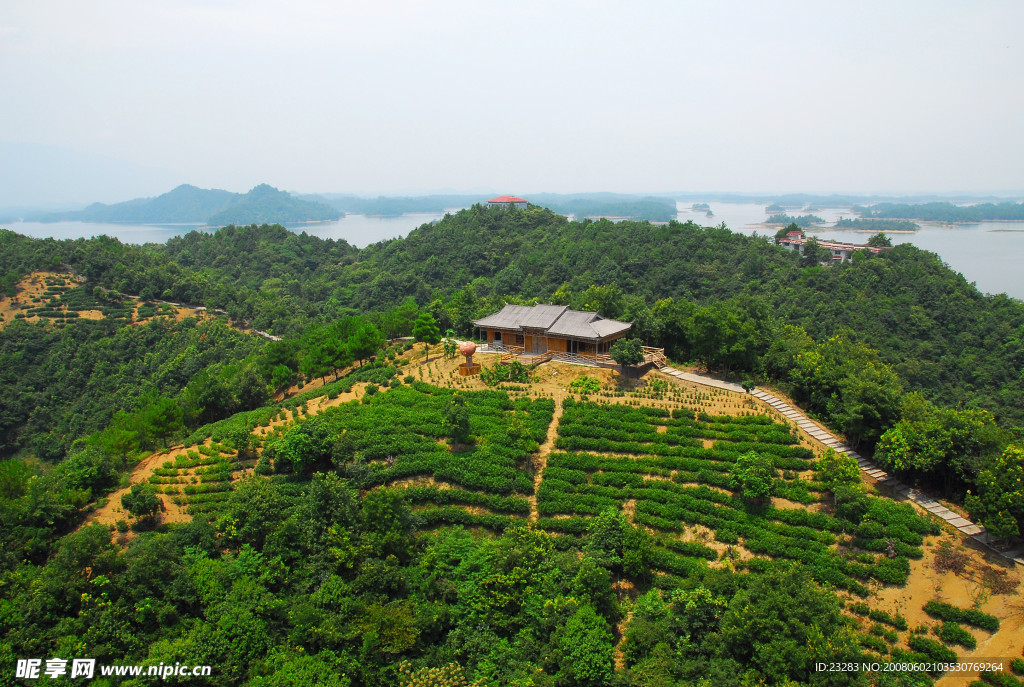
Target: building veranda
{"type": "Point", "coordinates": [544, 332]}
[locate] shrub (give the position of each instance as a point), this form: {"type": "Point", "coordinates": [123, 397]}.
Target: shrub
{"type": "Point", "coordinates": [859, 607]}
{"type": "Point", "coordinates": [951, 633]}
{"type": "Point", "coordinates": [897, 621]}
{"type": "Point", "coordinates": [968, 616]}
{"type": "Point", "coordinates": [873, 643]}
{"type": "Point", "coordinates": [998, 679]}
{"type": "Point", "coordinates": [884, 632]}
{"type": "Point", "coordinates": [371, 389]}
{"type": "Point", "coordinates": [932, 649]}
{"type": "Point", "coordinates": [727, 536]}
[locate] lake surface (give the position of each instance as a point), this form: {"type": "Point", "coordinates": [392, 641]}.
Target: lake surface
{"type": "Point", "coordinates": [359, 230]}
{"type": "Point", "coordinates": [990, 254]}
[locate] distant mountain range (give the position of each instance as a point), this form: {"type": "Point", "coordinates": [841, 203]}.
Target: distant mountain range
{"type": "Point", "coordinates": [190, 205]}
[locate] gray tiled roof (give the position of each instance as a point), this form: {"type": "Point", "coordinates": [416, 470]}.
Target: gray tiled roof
{"type": "Point", "coordinates": [557, 320]}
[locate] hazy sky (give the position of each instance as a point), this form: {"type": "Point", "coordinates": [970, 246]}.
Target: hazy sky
{"type": "Point", "coordinates": [514, 96]}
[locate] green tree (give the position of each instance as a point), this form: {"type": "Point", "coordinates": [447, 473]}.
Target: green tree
{"type": "Point", "coordinates": [141, 501]}
{"type": "Point", "coordinates": [754, 476]}
{"type": "Point", "coordinates": [814, 254]}
{"type": "Point", "coordinates": [880, 240]}
{"type": "Point", "coordinates": [585, 650]}
{"type": "Point", "coordinates": [999, 501]}
{"type": "Point", "coordinates": [387, 524]}
{"type": "Point", "coordinates": [940, 444]}
{"type": "Point", "coordinates": [455, 420]}
{"type": "Point", "coordinates": [161, 418]}
{"type": "Point", "coordinates": [781, 624]}
{"type": "Point", "coordinates": [451, 346]}
{"type": "Point", "coordinates": [612, 541]}
{"type": "Point", "coordinates": [698, 613]}
{"type": "Point", "coordinates": [725, 337]}
{"type": "Point", "coordinates": [365, 343]}
{"type": "Point", "coordinates": [425, 331]}
{"type": "Point", "coordinates": [838, 468]}
{"type": "Point", "coordinates": [627, 352]}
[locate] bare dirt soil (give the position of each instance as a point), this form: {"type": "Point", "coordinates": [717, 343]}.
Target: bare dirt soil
{"type": "Point", "coordinates": [32, 286]}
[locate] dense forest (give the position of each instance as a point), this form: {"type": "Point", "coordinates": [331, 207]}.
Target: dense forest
{"type": "Point", "coordinates": [938, 333]}
{"type": "Point", "coordinates": [308, 574]}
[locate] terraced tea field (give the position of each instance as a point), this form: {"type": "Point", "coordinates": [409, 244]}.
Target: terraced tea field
{"type": "Point", "coordinates": [658, 455]}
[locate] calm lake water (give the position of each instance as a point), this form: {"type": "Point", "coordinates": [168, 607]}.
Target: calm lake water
{"type": "Point", "coordinates": [359, 230]}
{"type": "Point", "coordinates": [990, 254]}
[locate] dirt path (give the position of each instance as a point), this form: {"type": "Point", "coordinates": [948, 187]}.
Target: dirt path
{"type": "Point", "coordinates": [314, 406]}
{"type": "Point", "coordinates": [541, 462]}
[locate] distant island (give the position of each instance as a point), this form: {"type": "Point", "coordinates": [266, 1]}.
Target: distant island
{"type": "Point", "coordinates": [800, 221]}
{"type": "Point", "coordinates": [188, 204]}
{"type": "Point", "coordinates": [392, 205]}
{"type": "Point", "coordinates": [890, 225]}
{"type": "Point", "coordinates": [944, 212]}
{"type": "Point", "coordinates": [637, 207]}
{"type": "Point", "coordinates": [652, 208]}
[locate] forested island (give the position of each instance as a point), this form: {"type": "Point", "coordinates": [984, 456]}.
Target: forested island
{"type": "Point", "coordinates": [347, 512]}
{"type": "Point", "coordinates": [799, 220]}
{"type": "Point", "coordinates": [944, 212]}
{"type": "Point", "coordinates": [891, 225]}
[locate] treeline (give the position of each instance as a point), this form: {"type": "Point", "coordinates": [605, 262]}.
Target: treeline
{"type": "Point", "coordinates": [938, 333]}
{"type": "Point", "coordinates": [799, 220]}
{"type": "Point", "coordinates": [653, 208]}
{"type": "Point", "coordinates": [943, 212]}
{"type": "Point", "coordinates": [862, 224]}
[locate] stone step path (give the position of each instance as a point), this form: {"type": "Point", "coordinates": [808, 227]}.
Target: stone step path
{"type": "Point", "coordinates": [968, 528]}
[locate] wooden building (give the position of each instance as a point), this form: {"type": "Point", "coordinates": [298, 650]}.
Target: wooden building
{"type": "Point", "coordinates": [540, 329]}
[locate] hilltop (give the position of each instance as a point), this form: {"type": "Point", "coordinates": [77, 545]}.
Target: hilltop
{"type": "Point", "coordinates": [332, 505]}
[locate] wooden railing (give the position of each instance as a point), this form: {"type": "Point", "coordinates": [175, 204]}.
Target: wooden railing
{"type": "Point", "coordinates": [511, 352]}
{"type": "Point", "coordinates": [656, 356]}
